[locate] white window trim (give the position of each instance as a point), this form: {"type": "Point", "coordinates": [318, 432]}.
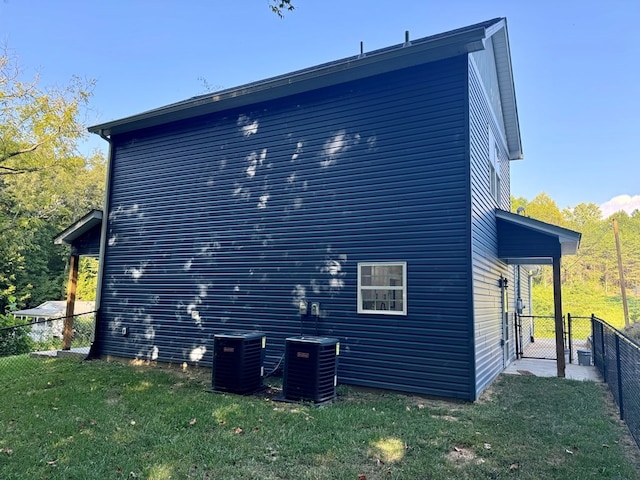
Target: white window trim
{"type": "Point", "coordinates": [403, 288]}
{"type": "Point", "coordinates": [495, 176]}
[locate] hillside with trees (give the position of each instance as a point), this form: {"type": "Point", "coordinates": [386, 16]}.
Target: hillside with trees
{"type": "Point", "coordinates": [590, 279]}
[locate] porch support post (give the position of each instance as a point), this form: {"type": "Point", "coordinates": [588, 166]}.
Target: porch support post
{"type": "Point", "coordinates": [67, 334]}
{"type": "Point", "coordinates": [559, 324]}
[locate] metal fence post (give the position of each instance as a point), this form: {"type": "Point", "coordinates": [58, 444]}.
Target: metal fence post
{"type": "Point", "coordinates": [604, 354]}
{"type": "Point", "coordinates": [570, 338]}
{"type": "Point", "coordinates": [517, 334]}
{"type": "Point", "coordinates": [620, 399]}
{"type": "Point", "coordinates": [593, 341]}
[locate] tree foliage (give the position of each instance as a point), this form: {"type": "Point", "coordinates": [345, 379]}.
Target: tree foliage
{"type": "Point", "coordinates": [279, 7]}
{"type": "Point", "coordinates": [39, 127]}
{"type": "Point", "coordinates": [87, 279]}
{"type": "Point", "coordinates": [45, 184]}
{"type": "Point", "coordinates": [13, 341]}
{"type": "Point", "coordinates": [591, 282]}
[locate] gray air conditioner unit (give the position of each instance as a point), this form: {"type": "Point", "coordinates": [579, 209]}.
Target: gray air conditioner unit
{"type": "Point", "coordinates": [237, 362]}
{"type": "Point", "coordinates": [310, 369]}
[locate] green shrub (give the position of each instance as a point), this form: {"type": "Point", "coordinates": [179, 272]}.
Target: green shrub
{"type": "Point", "coordinates": [13, 341]}
{"type": "Point", "coordinates": [83, 330]}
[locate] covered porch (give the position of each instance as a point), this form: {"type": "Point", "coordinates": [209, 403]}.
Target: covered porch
{"type": "Point", "coordinates": [525, 241]}
{"type": "Point", "coordinates": [84, 238]}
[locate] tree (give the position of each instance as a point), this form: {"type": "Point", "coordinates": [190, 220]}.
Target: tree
{"type": "Point", "coordinates": [38, 127]}
{"type": "Point", "coordinates": [59, 194]}
{"type": "Point", "coordinates": [583, 215]}
{"type": "Point", "coordinates": [517, 202]}
{"type": "Point", "coordinates": [590, 279]}
{"type": "Point", "coordinates": [44, 183]}
{"type": "Point", "coordinates": [543, 208]}
{"type": "Point", "coordinates": [593, 263]}
{"type": "Point", "coordinates": [13, 341]}
{"type": "Point", "coordinates": [40, 205]}
{"type": "Point", "coordinates": [87, 279]}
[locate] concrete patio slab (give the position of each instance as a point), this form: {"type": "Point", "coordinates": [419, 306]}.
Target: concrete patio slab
{"type": "Point", "coordinates": [548, 368]}
{"type": "Point", "coordinates": [78, 352]}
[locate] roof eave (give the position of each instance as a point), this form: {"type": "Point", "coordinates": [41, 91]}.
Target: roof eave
{"type": "Point", "coordinates": [353, 68]}
{"type": "Point", "coordinates": [82, 226]}
{"type": "Point", "coordinates": [502, 52]}
{"type": "Point", "coordinates": [569, 239]}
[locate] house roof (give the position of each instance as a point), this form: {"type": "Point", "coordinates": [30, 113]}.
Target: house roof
{"type": "Point", "coordinates": [79, 228]}
{"type": "Point", "coordinates": [524, 240]}
{"type": "Point", "coordinates": [56, 308]}
{"type": "Point", "coordinates": [415, 52]}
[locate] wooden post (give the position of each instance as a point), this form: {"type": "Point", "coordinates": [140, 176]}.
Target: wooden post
{"type": "Point", "coordinates": [623, 290]}
{"type": "Point", "coordinates": [557, 303]}
{"type": "Point", "coordinates": [67, 335]}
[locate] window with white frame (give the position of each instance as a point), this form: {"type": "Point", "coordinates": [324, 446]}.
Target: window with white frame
{"type": "Point", "coordinates": [494, 167]}
{"type": "Point", "coordinates": [382, 288]}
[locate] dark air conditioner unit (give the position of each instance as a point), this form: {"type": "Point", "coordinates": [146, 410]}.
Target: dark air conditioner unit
{"type": "Point", "coordinates": [237, 362]}
{"type": "Point", "coordinates": [310, 369]}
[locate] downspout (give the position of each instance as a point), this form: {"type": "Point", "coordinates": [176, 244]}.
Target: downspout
{"type": "Point", "coordinates": [94, 351]}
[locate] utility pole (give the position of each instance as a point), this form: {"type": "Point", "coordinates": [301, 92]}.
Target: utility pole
{"type": "Point", "coordinates": [623, 290]}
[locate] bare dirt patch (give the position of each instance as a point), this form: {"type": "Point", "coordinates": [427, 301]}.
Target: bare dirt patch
{"type": "Point", "coordinates": [461, 456]}
{"type": "Point", "coordinates": [486, 395]}
{"type": "Point", "coordinates": [448, 418]}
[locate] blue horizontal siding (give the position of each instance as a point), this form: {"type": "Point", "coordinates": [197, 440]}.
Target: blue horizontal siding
{"type": "Point", "coordinates": [485, 61]}
{"type": "Point", "coordinates": [487, 268]}
{"type": "Point", "coordinates": [239, 227]}
{"type": "Point", "coordinates": [516, 241]}
{"type": "Point", "coordinates": [88, 244]}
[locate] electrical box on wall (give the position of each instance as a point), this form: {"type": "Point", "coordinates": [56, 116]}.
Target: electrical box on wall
{"type": "Point", "coordinates": [310, 369]}
{"type": "Point", "coordinates": [237, 362]}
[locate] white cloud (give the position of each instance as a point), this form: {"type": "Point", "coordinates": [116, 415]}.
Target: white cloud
{"type": "Point", "coordinates": [627, 203]}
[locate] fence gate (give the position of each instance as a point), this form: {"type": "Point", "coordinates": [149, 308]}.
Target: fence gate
{"type": "Point", "coordinates": [536, 336]}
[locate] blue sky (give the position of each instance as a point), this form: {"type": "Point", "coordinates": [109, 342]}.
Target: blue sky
{"type": "Point", "coordinates": [576, 66]}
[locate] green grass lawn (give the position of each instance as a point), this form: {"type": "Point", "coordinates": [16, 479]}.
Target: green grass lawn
{"type": "Point", "coordinates": [545, 327]}
{"type": "Point", "coordinates": [65, 419]}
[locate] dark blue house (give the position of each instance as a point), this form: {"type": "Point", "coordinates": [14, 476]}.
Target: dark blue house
{"type": "Point", "coordinates": [370, 190]}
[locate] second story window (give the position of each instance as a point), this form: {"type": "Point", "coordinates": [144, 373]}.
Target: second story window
{"type": "Point", "coordinates": [494, 168]}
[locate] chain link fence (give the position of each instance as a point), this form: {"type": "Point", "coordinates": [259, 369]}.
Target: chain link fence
{"type": "Point", "coordinates": [536, 336]}
{"type": "Point", "coordinates": [617, 358]}
{"type": "Point", "coordinates": [578, 337]}
{"type": "Point", "coordinates": [44, 337]}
